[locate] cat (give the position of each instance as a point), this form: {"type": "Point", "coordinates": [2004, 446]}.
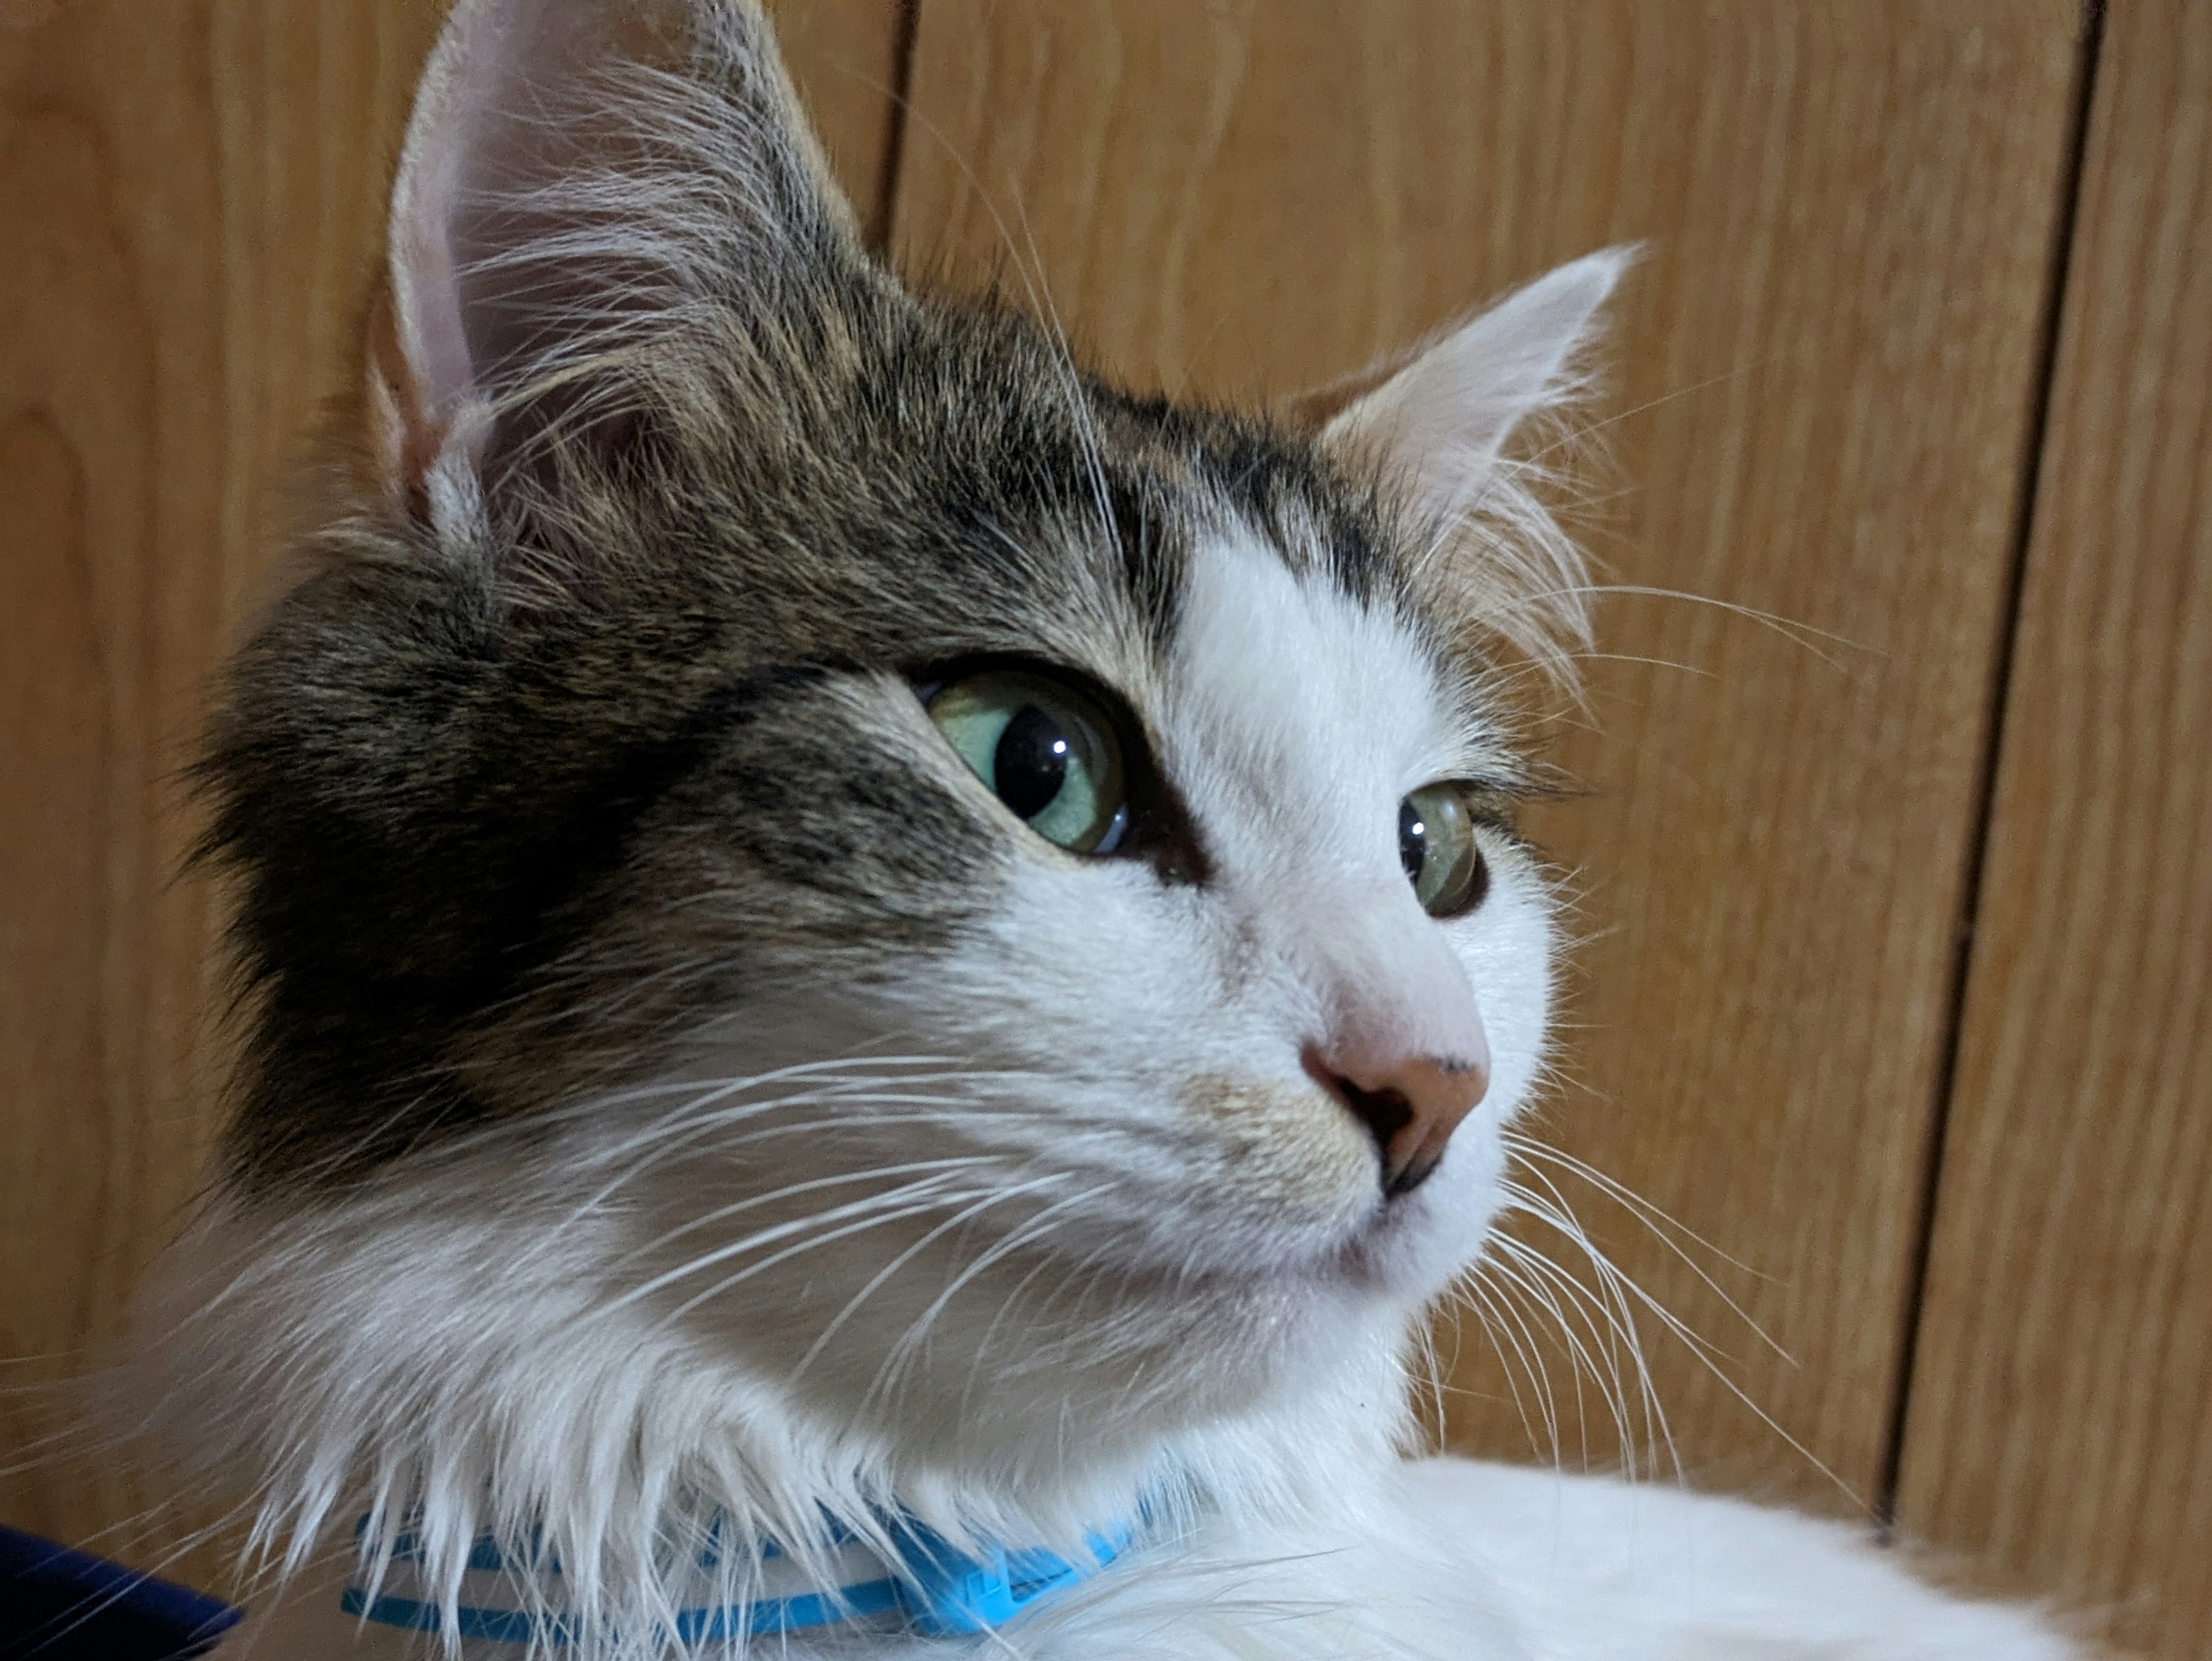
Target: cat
{"type": "Point", "coordinates": [879, 981]}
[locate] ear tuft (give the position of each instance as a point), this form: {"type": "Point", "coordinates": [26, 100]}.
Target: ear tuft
{"type": "Point", "coordinates": [1437, 420]}
{"type": "Point", "coordinates": [575, 172]}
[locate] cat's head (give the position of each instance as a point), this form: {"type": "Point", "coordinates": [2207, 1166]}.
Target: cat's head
{"type": "Point", "coordinates": [828, 900]}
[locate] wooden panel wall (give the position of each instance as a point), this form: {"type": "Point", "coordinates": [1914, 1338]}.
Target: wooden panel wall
{"type": "Point", "coordinates": [188, 213]}
{"type": "Point", "coordinates": [193, 194]}
{"type": "Point", "coordinates": [1828, 393]}
{"type": "Point", "coordinates": [1829, 357]}
{"type": "Point", "coordinates": [2061, 1422]}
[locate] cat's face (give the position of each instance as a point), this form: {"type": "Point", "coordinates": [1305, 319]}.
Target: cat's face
{"type": "Point", "coordinates": [958, 896]}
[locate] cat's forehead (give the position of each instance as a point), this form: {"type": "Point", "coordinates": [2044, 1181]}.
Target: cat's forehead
{"type": "Point", "coordinates": [1032, 511]}
{"type": "Point", "coordinates": [1114, 511]}
{"type": "Point", "coordinates": [1278, 658]}
{"type": "Point", "coordinates": [1255, 600]}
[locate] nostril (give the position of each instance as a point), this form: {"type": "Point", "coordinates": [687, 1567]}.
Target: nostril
{"type": "Point", "coordinates": [1385, 1112]}
{"type": "Point", "coordinates": [1388, 1113]}
{"type": "Point", "coordinates": [1410, 1108]}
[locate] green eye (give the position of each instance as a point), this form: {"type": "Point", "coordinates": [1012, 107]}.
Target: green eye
{"type": "Point", "coordinates": [1046, 751]}
{"type": "Point", "coordinates": [1436, 842]}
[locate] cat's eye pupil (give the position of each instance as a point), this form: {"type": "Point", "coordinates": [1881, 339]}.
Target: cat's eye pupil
{"type": "Point", "coordinates": [1030, 766]}
{"type": "Point", "coordinates": [1045, 747]}
{"type": "Point", "coordinates": [1413, 840]}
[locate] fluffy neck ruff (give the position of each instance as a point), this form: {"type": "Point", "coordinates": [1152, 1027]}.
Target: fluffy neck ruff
{"type": "Point", "coordinates": [723, 1590]}
{"type": "Point", "coordinates": [449, 1383]}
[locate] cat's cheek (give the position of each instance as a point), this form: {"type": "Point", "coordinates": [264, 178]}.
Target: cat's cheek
{"type": "Point", "coordinates": [1506, 946]}
{"type": "Point", "coordinates": [1469, 1196]}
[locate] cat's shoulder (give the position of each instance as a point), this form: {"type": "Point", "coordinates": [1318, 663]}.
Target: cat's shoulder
{"type": "Point", "coordinates": [1658, 1572]}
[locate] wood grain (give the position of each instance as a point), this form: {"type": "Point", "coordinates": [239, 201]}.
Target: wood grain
{"type": "Point", "coordinates": [190, 192]}
{"type": "Point", "coordinates": [1827, 368]}
{"type": "Point", "coordinates": [846, 57]}
{"type": "Point", "coordinates": [194, 196]}
{"type": "Point", "coordinates": [2060, 1419]}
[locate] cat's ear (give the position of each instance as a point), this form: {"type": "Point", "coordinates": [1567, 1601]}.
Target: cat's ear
{"type": "Point", "coordinates": [573, 172]}
{"type": "Point", "coordinates": [1436, 421]}
{"type": "Point", "coordinates": [1442, 414]}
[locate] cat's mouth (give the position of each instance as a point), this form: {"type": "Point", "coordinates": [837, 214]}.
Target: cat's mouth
{"type": "Point", "coordinates": [1378, 1256]}
{"type": "Point", "coordinates": [1409, 1244]}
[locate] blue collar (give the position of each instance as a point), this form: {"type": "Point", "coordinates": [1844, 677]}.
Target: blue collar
{"type": "Point", "coordinates": [925, 1586]}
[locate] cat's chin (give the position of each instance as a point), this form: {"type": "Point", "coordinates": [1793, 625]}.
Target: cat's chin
{"type": "Point", "coordinates": [1095, 1346]}
{"type": "Point", "coordinates": [1234, 1356]}
{"type": "Point", "coordinates": [1408, 1251]}
{"type": "Point", "coordinates": [1406, 1255]}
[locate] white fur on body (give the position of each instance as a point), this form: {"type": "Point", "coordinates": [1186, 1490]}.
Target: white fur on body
{"type": "Point", "coordinates": [1444, 1560]}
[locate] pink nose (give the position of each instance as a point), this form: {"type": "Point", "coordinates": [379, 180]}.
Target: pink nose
{"type": "Point", "coordinates": [1410, 1104]}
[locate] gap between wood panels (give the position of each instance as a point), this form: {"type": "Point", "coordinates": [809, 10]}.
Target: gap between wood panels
{"type": "Point", "coordinates": [2009, 617]}
{"type": "Point", "coordinates": [894, 158]}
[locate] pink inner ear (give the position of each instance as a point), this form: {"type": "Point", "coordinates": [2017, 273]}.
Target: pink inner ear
{"type": "Point", "coordinates": [1445, 415]}
{"type": "Point", "coordinates": [489, 127]}
{"type": "Point", "coordinates": [472, 65]}
{"type": "Point", "coordinates": [573, 169]}
{"type": "Point", "coordinates": [426, 296]}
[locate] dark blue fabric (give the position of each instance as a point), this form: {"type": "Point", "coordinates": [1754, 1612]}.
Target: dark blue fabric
{"type": "Point", "coordinates": [57, 1604]}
